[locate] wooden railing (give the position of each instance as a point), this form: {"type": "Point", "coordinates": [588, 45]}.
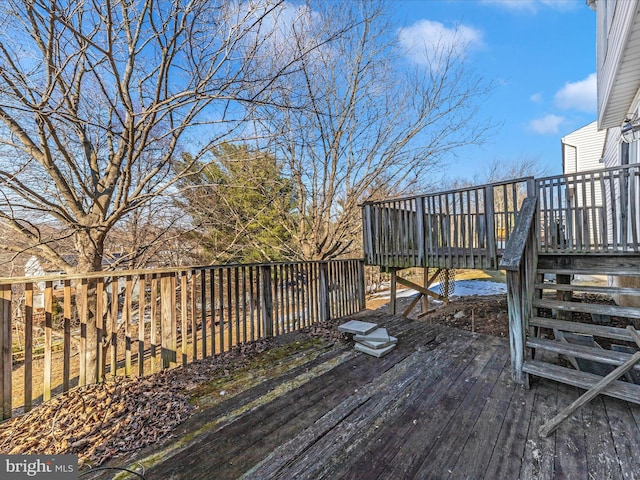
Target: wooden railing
{"type": "Point", "coordinates": [520, 260]}
{"type": "Point", "coordinates": [147, 320]}
{"type": "Point", "coordinates": [464, 228]}
{"type": "Point", "coordinates": [595, 211]}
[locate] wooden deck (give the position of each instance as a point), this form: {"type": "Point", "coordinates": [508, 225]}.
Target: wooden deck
{"type": "Point", "coordinates": [441, 405]}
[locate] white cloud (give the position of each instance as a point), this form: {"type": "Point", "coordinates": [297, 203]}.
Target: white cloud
{"type": "Point", "coordinates": [427, 42]}
{"type": "Point", "coordinates": [546, 125]}
{"type": "Point", "coordinates": [536, 97]}
{"type": "Point", "coordinates": [534, 5]}
{"type": "Point", "coordinates": [581, 95]}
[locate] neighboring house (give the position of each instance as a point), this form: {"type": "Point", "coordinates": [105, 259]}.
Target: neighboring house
{"type": "Point", "coordinates": [38, 267]}
{"type": "Point", "coordinates": [618, 67]}
{"type": "Point", "coordinates": [582, 151]}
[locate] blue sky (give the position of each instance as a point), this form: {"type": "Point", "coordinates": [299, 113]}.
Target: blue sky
{"type": "Point", "coordinates": [541, 56]}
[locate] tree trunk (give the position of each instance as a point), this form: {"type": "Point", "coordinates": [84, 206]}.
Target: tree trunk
{"type": "Point", "coordinates": [90, 252]}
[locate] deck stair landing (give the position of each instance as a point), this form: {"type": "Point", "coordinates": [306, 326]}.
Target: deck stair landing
{"type": "Point", "coordinates": [563, 345]}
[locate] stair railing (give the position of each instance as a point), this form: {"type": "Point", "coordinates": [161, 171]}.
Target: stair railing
{"type": "Point", "coordinates": [519, 260]}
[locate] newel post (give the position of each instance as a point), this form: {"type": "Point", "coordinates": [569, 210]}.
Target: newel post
{"type": "Point", "coordinates": [520, 261]}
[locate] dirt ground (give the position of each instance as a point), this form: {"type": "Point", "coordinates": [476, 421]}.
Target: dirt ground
{"type": "Point", "coordinates": [480, 314]}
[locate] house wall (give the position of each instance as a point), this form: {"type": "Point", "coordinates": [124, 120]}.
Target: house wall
{"type": "Point", "coordinates": [617, 36]}
{"type": "Point", "coordinates": [583, 149]}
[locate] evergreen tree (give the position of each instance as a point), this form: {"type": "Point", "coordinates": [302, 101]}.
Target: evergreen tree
{"type": "Point", "coordinates": [240, 205]}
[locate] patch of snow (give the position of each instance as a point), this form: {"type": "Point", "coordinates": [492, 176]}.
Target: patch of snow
{"type": "Point", "coordinates": [463, 288]}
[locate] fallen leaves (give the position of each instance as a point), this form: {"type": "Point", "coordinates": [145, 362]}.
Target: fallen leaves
{"type": "Point", "coordinates": [121, 415]}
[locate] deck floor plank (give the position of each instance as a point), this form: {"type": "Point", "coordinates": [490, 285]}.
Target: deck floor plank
{"type": "Point", "coordinates": [391, 438]}
{"type": "Point", "coordinates": [602, 458]}
{"type": "Point", "coordinates": [474, 461]}
{"type": "Point", "coordinates": [443, 458]}
{"type": "Point", "coordinates": [626, 436]}
{"type": "Point", "coordinates": [571, 451]}
{"type": "Point", "coordinates": [509, 447]}
{"type": "Point", "coordinates": [427, 430]}
{"type": "Point", "coordinates": [538, 458]}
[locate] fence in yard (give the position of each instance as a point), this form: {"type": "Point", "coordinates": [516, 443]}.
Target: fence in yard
{"type": "Point", "coordinates": [54, 329]}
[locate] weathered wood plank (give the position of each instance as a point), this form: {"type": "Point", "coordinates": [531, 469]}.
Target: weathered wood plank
{"type": "Point", "coordinates": [508, 449]}
{"type": "Point", "coordinates": [586, 328]}
{"type": "Point", "coordinates": [473, 426]}
{"type": "Point", "coordinates": [142, 295]}
{"type": "Point", "coordinates": [28, 346]}
{"type": "Point", "coordinates": [602, 457]}
{"type": "Point", "coordinates": [626, 437]}
{"type": "Point", "coordinates": [127, 310]}
{"type": "Point", "coordinates": [6, 360]}
{"type": "Point", "coordinates": [612, 310]}
{"type": "Point", "coordinates": [168, 319]}
{"type": "Point", "coordinates": [617, 389]}
{"type": "Point", "coordinates": [538, 457]}
{"type": "Point", "coordinates": [588, 289]}
{"type": "Point", "coordinates": [113, 369]}
{"type": "Point", "coordinates": [571, 452]}
{"type": "Point", "coordinates": [601, 355]}
{"type": "Point", "coordinates": [405, 452]}
{"type": "Point", "coordinates": [66, 347]}
{"type": "Point", "coordinates": [153, 336]}
{"type": "Point", "coordinates": [82, 297]}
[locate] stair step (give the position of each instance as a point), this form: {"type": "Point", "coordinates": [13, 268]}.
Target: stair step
{"type": "Point", "coordinates": [588, 289]}
{"type": "Point", "coordinates": [622, 390]}
{"type": "Point", "coordinates": [611, 310]}
{"type": "Point", "coordinates": [581, 351]}
{"type": "Point", "coordinates": [614, 333]}
{"type": "Point", "coordinates": [603, 270]}
{"type": "Point", "coordinates": [595, 264]}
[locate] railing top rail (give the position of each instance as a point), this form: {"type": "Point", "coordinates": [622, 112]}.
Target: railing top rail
{"type": "Point", "coordinates": [155, 271]}
{"type": "Point", "coordinates": [442, 192]}
{"type": "Point", "coordinates": [589, 172]}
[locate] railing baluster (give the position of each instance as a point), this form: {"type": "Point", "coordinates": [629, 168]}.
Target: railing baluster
{"type": "Point", "coordinates": [6, 359]}
{"type": "Point", "coordinates": [28, 346]}
{"type": "Point", "coordinates": [66, 347]}
{"type": "Point", "coordinates": [142, 292]}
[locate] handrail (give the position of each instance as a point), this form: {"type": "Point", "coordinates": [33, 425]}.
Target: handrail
{"type": "Point", "coordinates": [517, 243]}
{"type": "Point", "coordinates": [153, 271]}
{"type": "Point", "coordinates": [443, 192]}
{"type": "Point", "coordinates": [590, 172]}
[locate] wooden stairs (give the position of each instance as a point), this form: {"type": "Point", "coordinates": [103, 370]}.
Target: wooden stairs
{"type": "Point", "coordinates": [576, 334]}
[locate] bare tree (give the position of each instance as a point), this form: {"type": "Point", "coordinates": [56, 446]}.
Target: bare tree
{"type": "Point", "coordinates": [98, 96]}
{"type": "Point", "coordinates": [369, 123]}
